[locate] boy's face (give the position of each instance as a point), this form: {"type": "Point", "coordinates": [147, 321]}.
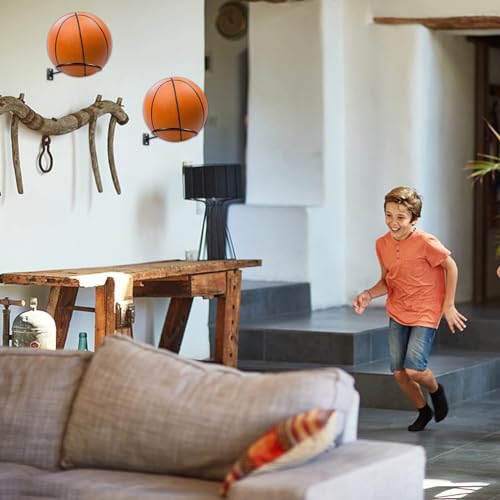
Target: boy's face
{"type": "Point", "coordinates": [398, 220]}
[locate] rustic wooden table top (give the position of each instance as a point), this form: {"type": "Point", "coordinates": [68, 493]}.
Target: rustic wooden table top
{"type": "Point", "coordinates": [96, 276]}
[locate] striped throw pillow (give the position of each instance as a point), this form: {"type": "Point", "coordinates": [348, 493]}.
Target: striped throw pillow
{"type": "Point", "coordinates": [291, 442]}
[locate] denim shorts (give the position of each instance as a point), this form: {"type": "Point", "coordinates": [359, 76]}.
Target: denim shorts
{"type": "Point", "coordinates": [409, 346]}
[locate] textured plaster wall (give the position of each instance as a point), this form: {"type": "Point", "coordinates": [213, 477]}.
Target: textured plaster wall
{"type": "Point", "coordinates": [385, 114]}
{"type": "Point", "coordinates": [61, 220]}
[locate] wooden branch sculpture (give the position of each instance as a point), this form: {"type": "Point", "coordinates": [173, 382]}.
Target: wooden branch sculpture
{"type": "Point", "coordinates": [60, 126]}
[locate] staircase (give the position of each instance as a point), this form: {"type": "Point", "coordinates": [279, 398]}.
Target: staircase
{"type": "Point", "coordinates": [278, 331]}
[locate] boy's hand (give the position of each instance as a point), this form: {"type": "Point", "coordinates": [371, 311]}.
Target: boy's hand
{"type": "Point", "coordinates": [361, 302]}
{"type": "Point", "coordinates": [454, 319]}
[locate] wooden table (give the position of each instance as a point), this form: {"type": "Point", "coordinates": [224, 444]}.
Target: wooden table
{"type": "Point", "coordinates": [116, 287]}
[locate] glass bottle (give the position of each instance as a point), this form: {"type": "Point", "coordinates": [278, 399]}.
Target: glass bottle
{"type": "Point", "coordinates": [82, 341]}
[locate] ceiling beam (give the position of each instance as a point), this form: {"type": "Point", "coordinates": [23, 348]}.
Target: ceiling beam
{"type": "Point", "coordinates": [445, 23]}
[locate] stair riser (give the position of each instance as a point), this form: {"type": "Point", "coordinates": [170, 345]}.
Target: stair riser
{"type": "Point", "coordinates": [382, 391]}
{"type": "Point", "coordinates": [480, 335]}
{"type": "Point", "coordinates": [257, 304]}
{"type": "Point", "coordinates": [271, 301]}
{"type": "Point", "coordinates": [313, 347]}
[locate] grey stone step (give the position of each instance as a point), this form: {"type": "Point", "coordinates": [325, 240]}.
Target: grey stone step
{"type": "Point", "coordinates": [482, 332]}
{"type": "Point", "coordinates": [466, 363]}
{"type": "Point", "coordinates": [264, 299]}
{"type": "Point", "coordinates": [338, 335]}
{"type": "Point", "coordinates": [334, 335]}
{"type": "Point", "coordinates": [465, 375]}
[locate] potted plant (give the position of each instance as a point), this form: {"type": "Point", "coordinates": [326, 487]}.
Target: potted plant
{"type": "Point", "coordinates": [486, 165]}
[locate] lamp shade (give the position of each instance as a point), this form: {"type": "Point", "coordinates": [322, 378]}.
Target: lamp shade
{"type": "Point", "coordinates": [220, 181]}
{"type": "Point", "coordinates": [79, 44]}
{"type": "Point", "coordinates": [175, 109]}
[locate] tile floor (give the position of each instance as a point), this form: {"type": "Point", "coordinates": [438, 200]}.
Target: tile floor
{"type": "Point", "coordinates": [463, 451]}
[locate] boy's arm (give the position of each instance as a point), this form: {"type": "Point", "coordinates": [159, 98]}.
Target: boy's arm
{"type": "Point", "coordinates": [452, 316]}
{"type": "Point", "coordinates": [365, 297]}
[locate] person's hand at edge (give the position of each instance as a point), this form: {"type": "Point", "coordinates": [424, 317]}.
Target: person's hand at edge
{"type": "Point", "coordinates": [454, 318]}
{"type": "Point", "coordinates": [361, 301]}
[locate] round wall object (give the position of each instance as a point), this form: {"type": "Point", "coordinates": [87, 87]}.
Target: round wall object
{"type": "Point", "coordinates": [79, 44]}
{"type": "Point", "coordinates": [231, 21]}
{"type": "Point", "coordinates": [175, 109]}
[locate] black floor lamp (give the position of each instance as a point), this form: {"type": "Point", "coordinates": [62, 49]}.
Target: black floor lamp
{"type": "Point", "coordinates": [215, 185]}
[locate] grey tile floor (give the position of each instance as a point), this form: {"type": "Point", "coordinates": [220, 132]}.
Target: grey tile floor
{"type": "Point", "coordinates": [463, 451]}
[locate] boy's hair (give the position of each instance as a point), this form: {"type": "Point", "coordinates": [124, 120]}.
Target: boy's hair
{"type": "Point", "coordinates": [407, 197]}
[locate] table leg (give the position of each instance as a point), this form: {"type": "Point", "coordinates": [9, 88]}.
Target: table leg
{"type": "Point", "coordinates": [60, 306]}
{"type": "Point", "coordinates": [228, 321]}
{"type": "Point", "coordinates": [175, 323]}
{"type": "Point", "coordinates": [112, 301]}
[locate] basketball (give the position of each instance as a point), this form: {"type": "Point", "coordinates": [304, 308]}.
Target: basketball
{"type": "Point", "coordinates": [79, 44]}
{"type": "Point", "coordinates": [175, 109]}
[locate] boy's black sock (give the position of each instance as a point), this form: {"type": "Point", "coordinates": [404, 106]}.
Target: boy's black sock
{"type": "Point", "coordinates": [439, 403]}
{"type": "Point", "coordinates": [424, 417]}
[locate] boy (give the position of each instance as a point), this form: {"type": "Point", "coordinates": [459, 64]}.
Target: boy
{"type": "Point", "coordinates": [420, 280]}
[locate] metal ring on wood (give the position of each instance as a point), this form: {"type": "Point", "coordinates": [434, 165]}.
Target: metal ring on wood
{"type": "Point", "coordinates": [45, 145]}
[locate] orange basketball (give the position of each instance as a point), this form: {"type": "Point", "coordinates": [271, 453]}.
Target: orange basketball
{"type": "Point", "coordinates": [175, 109]}
{"type": "Point", "coordinates": [79, 44]}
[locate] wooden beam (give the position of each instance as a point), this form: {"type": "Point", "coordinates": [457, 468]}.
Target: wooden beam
{"type": "Point", "coordinates": [445, 23]}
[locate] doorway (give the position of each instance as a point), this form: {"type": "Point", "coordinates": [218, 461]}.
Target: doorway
{"type": "Point", "coordinates": [486, 286]}
{"type": "Point", "coordinates": [226, 80]}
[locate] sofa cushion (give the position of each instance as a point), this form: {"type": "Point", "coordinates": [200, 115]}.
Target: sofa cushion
{"type": "Point", "coordinates": [37, 388]}
{"type": "Point", "coordinates": [291, 442]}
{"type": "Point", "coordinates": [146, 409]}
{"type": "Point", "coordinates": [95, 484]}
{"type": "Point", "coordinates": [14, 478]}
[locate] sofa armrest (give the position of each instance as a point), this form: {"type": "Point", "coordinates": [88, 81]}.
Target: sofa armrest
{"type": "Point", "coordinates": [371, 470]}
{"type": "Point", "coordinates": [350, 432]}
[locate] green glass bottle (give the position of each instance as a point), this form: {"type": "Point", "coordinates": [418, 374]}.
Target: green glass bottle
{"type": "Point", "coordinates": [82, 341]}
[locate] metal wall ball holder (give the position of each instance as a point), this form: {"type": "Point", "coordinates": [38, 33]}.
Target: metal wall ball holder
{"type": "Point", "coordinates": [51, 71]}
{"type": "Point", "coordinates": [146, 137]}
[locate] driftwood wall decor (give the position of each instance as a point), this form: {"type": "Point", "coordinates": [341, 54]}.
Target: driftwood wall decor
{"type": "Point", "coordinates": [60, 126]}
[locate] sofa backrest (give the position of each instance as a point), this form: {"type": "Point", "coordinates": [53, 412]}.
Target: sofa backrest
{"type": "Point", "coordinates": [37, 388]}
{"type": "Point", "coordinates": [146, 409]}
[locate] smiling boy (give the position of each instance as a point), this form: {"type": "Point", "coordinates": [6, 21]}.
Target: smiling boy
{"type": "Point", "coordinates": [420, 279]}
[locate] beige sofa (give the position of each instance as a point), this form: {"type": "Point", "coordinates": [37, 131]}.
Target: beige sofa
{"type": "Point", "coordinates": [134, 422]}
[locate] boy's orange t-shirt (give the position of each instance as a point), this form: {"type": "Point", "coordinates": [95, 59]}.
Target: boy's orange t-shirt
{"type": "Point", "coordinates": [415, 279]}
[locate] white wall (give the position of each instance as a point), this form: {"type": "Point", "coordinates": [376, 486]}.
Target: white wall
{"type": "Point", "coordinates": [285, 140]}
{"type": "Point", "coordinates": [225, 92]}
{"type": "Point", "coordinates": [338, 116]}
{"type": "Point", "coordinates": [285, 129]}
{"type": "Point", "coordinates": [388, 95]}
{"type": "Point", "coordinates": [407, 86]}
{"type": "Point", "coordinates": [327, 223]}
{"type": "Point", "coordinates": [62, 221]}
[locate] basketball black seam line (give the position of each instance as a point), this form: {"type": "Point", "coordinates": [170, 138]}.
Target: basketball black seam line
{"type": "Point", "coordinates": [178, 110]}
{"type": "Point", "coordinates": [199, 98]}
{"type": "Point", "coordinates": [69, 16]}
{"type": "Point", "coordinates": [81, 44]}
{"type": "Point", "coordinates": [102, 31]}
{"type": "Point", "coordinates": [152, 104]}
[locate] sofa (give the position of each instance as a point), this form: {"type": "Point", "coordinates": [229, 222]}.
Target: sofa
{"type": "Point", "coordinates": [134, 422]}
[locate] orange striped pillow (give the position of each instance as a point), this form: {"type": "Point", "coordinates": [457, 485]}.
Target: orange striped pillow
{"type": "Point", "coordinates": [291, 442]}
